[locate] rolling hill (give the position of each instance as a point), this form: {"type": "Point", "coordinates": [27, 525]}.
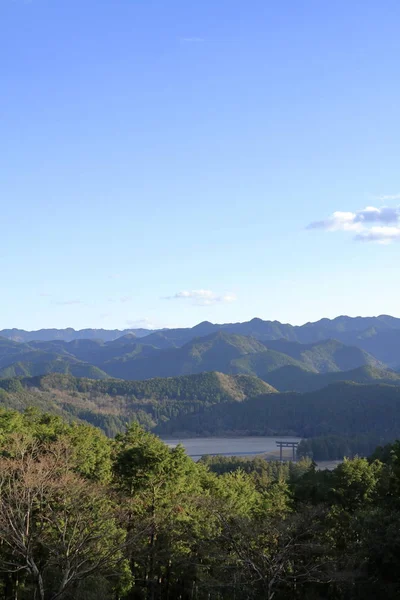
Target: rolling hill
{"type": "Point", "coordinates": [211, 353]}
{"type": "Point", "coordinates": [344, 409]}
{"type": "Point", "coordinates": [325, 356]}
{"type": "Point", "coordinates": [236, 354]}
{"type": "Point", "coordinates": [23, 360]}
{"type": "Point", "coordinates": [297, 379]}
{"type": "Point", "coordinates": [112, 403]}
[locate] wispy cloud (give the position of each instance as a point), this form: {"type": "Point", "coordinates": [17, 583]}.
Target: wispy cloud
{"type": "Point", "coordinates": [388, 198]}
{"type": "Point", "coordinates": [370, 224]}
{"type": "Point", "coordinates": [382, 235]}
{"type": "Point", "coordinates": [142, 323]}
{"type": "Point", "coordinates": [67, 302]}
{"type": "Point", "coordinates": [114, 276]}
{"type": "Point", "coordinates": [202, 297]}
{"type": "Point", "coordinates": [45, 295]}
{"type": "Point", "coordinates": [338, 221]}
{"type": "Point", "coordinates": [125, 299]}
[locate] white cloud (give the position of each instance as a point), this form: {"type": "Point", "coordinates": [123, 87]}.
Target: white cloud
{"type": "Point", "coordinates": [339, 221]}
{"type": "Point", "coordinates": [382, 235]}
{"type": "Point", "coordinates": [362, 223]}
{"type": "Point", "coordinates": [45, 295]}
{"type": "Point", "coordinates": [143, 323]}
{"type": "Point", "coordinates": [384, 214]}
{"type": "Point", "coordinates": [125, 299]}
{"type": "Point", "coordinates": [202, 297]}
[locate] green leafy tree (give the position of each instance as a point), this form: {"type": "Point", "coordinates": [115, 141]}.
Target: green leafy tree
{"type": "Point", "coordinates": [56, 528]}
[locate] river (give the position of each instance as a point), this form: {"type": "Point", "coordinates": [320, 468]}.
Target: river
{"type": "Point", "coordinates": [233, 446]}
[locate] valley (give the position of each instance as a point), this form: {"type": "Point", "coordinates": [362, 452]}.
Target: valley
{"type": "Point", "coordinates": [218, 380]}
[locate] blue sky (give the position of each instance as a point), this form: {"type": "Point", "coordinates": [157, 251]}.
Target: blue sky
{"type": "Point", "coordinates": [172, 161]}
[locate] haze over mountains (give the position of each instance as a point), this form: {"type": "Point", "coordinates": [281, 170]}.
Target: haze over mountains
{"type": "Point", "coordinates": [369, 333]}
{"type": "Point", "coordinates": [69, 334]}
{"type": "Point", "coordinates": [286, 379]}
{"type": "Point", "coordinates": [298, 358]}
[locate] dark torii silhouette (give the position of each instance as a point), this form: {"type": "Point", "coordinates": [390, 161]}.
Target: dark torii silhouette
{"type": "Point", "coordinates": [292, 445]}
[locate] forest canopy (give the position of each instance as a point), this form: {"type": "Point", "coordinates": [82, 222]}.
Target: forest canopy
{"type": "Point", "coordinates": [84, 516]}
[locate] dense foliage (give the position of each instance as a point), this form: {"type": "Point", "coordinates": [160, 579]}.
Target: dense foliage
{"type": "Point", "coordinates": [335, 447]}
{"type": "Point", "coordinates": [343, 419]}
{"type": "Point", "coordinates": [343, 409]}
{"type": "Point", "coordinates": [111, 403]}
{"type": "Point", "coordinates": [85, 517]}
{"type": "Point", "coordinates": [298, 379]}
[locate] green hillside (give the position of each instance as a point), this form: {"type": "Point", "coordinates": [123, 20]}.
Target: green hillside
{"type": "Point", "coordinates": [261, 364]}
{"type": "Point", "coordinates": [211, 353]}
{"type": "Point", "coordinates": [297, 379]}
{"type": "Point", "coordinates": [344, 409]}
{"type": "Point", "coordinates": [110, 403]}
{"type": "Point", "coordinates": [385, 345]}
{"type": "Point", "coordinates": [235, 354]}
{"type": "Point", "coordinates": [32, 363]}
{"type": "Point", "coordinates": [326, 356]}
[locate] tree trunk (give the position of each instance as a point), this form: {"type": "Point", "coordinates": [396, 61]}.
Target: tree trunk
{"type": "Point", "coordinates": [150, 583]}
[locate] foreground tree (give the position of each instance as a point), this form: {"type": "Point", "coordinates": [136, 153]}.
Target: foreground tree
{"type": "Point", "coordinates": [56, 528]}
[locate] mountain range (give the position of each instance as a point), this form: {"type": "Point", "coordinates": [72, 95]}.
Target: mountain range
{"type": "Point", "coordinates": [379, 336]}
{"type": "Point", "coordinates": [362, 350]}
{"type": "Point", "coordinates": [281, 363]}
{"type": "Point", "coordinates": [307, 333]}
{"type": "Point", "coordinates": [337, 377]}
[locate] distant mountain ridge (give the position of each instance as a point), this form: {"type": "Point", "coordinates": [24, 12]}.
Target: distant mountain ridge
{"type": "Point", "coordinates": [337, 328]}
{"type": "Point", "coordinates": [283, 364]}
{"type": "Point", "coordinates": [285, 356]}
{"type": "Point", "coordinates": [69, 334]}
{"type": "Point", "coordinates": [289, 378]}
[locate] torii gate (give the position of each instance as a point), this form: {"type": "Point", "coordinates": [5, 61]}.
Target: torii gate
{"type": "Point", "coordinates": [292, 445]}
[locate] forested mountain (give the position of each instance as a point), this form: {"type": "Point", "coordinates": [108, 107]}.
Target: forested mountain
{"type": "Point", "coordinates": [48, 363]}
{"type": "Point", "coordinates": [384, 345]}
{"type": "Point", "coordinates": [379, 336]}
{"type": "Point", "coordinates": [298, 379]}
{"type": "Point", "coordinates": [23, 360]}
{"type": "Point", "coordinates": [110, 404]}
{"type": "Point", "coordinates": [219, 351]}
{"type": "Point", "coordinates": [345, 409]}
{"type": "Point", "coordinates": [129, 358]}
{"type": "Point", "coordinates": [325, 356]}
{"type": "Point", "coordinates": [219, 404]}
